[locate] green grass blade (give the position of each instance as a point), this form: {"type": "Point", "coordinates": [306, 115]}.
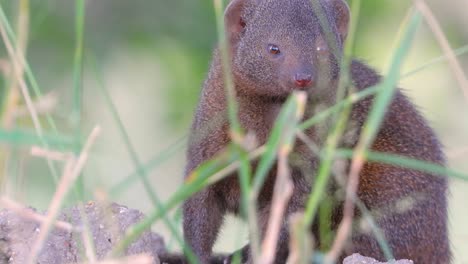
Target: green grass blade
{"type": "Point", "coordinates": [245, 176]}
{"type": "Point", "coordinates": [141, 170]}
{"type": "Point", "coordinates": [345, 74]}
{"type": "Point", "coordinates": [29, 139]}
{"type": "Point", "coordinates": [320, 184]}
{"type": "Point", "coordinates": [458, 52]}
{"type": "Point", "coordinates": [406, 162]}
{"type": "Point", "coordinates": [150, 165]}
{"type": "Point", "coordinates": [351, 99]}
{"type": "Point", "coordinates": [378, 232]}
{"type": "Point", "coordinates": [75, 118]}
{"type": "Point", "coordinates": [236, 132]}
{"type": "Point", "coordinates": [224, 48]}
{"type": "Point", "coordinates": [332, 39]}
{"type": "Point", "coordinates": [80, 7]}
{"type": "Point", "coordinates": [384, 97]}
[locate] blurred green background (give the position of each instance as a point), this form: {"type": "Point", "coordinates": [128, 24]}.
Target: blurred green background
{"type": "Point", "coordinates": [152, 56]}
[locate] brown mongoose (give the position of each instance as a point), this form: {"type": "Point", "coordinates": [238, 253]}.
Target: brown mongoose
{"type": "Point", "coordinates": [278, 46]}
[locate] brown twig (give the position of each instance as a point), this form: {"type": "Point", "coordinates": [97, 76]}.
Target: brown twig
{"type": "Point", "coordinates": [308, 142]}
{"type": "Point", "coordinates": [49, 154]}
{"type": "Point", "coordinates": [71, 172]}
{"type": "Point", "coordinates": [284, 186]}
{"type": "Point", "coordinates": [102, 198]}
{"type": "Point", "coordinates": [444, 44]}
{"type": "Point", "coordinates": [301, 243]}
{"type": "Point", "coordinates": [86, 235]}
{"type": "Point", "coordinates": [282, 193]}
{"type": "Point", "coordinates": [344, 228]}
{"type": "Point", "coordinates": [255, 154]}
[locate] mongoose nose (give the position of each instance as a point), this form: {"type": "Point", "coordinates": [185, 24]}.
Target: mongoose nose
{"type": "Point", "coordinates": [302, 80]}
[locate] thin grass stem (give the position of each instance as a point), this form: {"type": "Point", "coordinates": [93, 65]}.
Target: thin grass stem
{"type": "Point", "coordinates": [141, 169]}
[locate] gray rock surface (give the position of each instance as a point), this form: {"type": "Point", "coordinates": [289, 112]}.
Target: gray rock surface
{"type": "Point", "coordinates": [107, 225]}
{"type": "Point", "coordinates": [358, 259]}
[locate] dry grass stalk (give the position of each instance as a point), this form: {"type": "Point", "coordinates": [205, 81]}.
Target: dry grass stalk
{"type": "Point", "coordinates": [284, 186]}
{"type": "Point", "coordinates": [14, 96]}
{"type": "Point", "coordinates": [5, 67]}
{"type": "Point", "coordinates": [49, 154]}
{"type": "Point", "coordinates": [236, 165]}
{"type": "Point", "coordinates": [104, 201]}
{"type": "Point", "coordinates": [344, 229]}
{"type": "Point", "coordinates": [17, 60]}
{"type": "Point", "coordinates": [28, 213]}
{"type": "Point", "coordinates": [71, 172]}
{"type": "Point", "coordinates": [309, 142]}
{"type": "Point", "coordinates": [444, 44]}
{"type": "Point", "coordinates": [282, 193]}
{"type": "Point", "coordinates": [86, 236]}
{"type": "Point", "coordinates": [300, 243]}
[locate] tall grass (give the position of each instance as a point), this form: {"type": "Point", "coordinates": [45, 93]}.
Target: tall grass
{"type": "Point", "coordinates": [235, 158]}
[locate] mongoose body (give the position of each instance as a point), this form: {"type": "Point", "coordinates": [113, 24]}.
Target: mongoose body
{"type": "Point", "coordinates": [278, 46]}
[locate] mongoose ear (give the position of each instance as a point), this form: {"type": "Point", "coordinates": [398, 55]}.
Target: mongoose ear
{"type": "Point", "coordinates": [341, 15]}
{"type": "Point", "coordinates": [233, 18]}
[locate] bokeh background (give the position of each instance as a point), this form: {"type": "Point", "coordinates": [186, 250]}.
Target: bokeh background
{"type": "Point", "coordinates": [152, 57]}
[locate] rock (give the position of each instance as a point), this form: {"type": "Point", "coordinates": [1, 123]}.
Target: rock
{"type": "Point", "coordinates": [358, 259]}
{"type": "Point", "coordinates": [107, 225]}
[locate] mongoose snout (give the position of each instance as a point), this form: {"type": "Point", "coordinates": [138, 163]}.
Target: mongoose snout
{"type": "Point", "coordinates": [303, 80]}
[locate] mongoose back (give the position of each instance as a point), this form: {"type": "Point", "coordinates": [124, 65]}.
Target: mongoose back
{"type": "Point", "coordinates": [278, 47]}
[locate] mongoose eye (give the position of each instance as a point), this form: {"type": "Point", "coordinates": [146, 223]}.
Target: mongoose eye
{"type": "Point", "coordinates": [321, 46]}
{"type": "Point", "coordinates": [242, 23]}
{"type": "Point", "coordinates": [273, 49]}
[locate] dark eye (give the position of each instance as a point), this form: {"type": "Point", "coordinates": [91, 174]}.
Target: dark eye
{"type": "Point", "coordinates": [321, 46]}
{"type": "Point", "coordinates": [273, 49]}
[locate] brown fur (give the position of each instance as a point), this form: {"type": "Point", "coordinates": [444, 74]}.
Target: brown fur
{"type": "Point", "coordinates": [262, 83]}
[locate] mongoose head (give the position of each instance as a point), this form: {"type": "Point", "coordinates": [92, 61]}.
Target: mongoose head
{"type": "Point", "coordinates": [278, 46]}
